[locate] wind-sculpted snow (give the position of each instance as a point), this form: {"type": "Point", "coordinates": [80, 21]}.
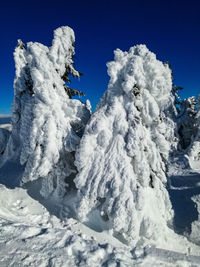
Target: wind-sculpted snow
{"type": "Point", "coordinates": [121, 155]}
{"type": "Point", "coordinates": [46, 123]}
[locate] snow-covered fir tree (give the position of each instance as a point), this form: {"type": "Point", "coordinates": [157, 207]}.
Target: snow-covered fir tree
{"type": "Point", "coordinates": [194, 149]}
{"type": "Point", "coordinates": [46, 122]}
{"type": "Point", "coordinates": [121, 171]}
{"type": "Point", "coordinates": [187, 122]}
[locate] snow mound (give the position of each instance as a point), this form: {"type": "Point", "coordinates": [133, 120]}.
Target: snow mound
{"type": "Point", "coordinates": [46, 123]}
{"type": "Point", "coordinates": [120, 160]}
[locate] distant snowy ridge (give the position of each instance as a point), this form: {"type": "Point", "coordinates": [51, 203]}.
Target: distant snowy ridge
{"type": "Point", "coordinates": [5, 115]}
{"type": "Point", "coordinates": [5, 118]}
{"type": "Point", "coordinates": [5, 128]}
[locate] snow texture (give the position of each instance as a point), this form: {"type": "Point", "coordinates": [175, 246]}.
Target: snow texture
{"type": "Point", "coordinates": [32, 236]}
{"type": "Point", "coordinates": [120, 160]}
{"type": "Point", "coordinates": [46, 123]}
{"type": "Point", "coordinates": [29, 229]}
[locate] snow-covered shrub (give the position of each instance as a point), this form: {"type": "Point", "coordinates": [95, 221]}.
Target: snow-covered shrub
{"type": "Point", "coordinates": [121, 155]}
{"type": "Point", "coordinates": [46, 123]}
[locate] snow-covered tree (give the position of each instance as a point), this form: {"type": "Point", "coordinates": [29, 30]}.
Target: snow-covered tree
{"type": "Point", "coordinates": [46, 123]}
{"type": "Point", "coordinates": [186, 122]}
{"type": "Point", "coordinates": [120, 161]}
{"type": "Point", "coordinates": [172, 115]}
{"type": "Point", "coordinates": [194, 149]}
{"type": "Point", "coordinates": [183, 114]}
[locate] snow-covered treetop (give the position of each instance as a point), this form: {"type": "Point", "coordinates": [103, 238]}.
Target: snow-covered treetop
{"type": "Point", "coordinates": [139, 70]}
{"type": "Point", "coordinates": [62, 51]}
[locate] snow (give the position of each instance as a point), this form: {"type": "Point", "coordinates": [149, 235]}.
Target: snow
{"type": "Point", "coordinates": [112, 188]}
{"type": "Point", "coordinates": [125, 134]}
{"type": "Point", "coordinates": [46, 123]}
{"type": "Point", "coordinates": [33, 236]}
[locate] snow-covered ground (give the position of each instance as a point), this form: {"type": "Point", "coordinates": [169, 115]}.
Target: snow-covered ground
{"type": "Point", "coordinates": [32, 235]}
{"type": "Point", "coordinates": [36, 232]}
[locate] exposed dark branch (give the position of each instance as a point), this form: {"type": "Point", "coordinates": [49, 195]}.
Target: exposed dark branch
{"type": "Point", "coordinates": [72, 92]}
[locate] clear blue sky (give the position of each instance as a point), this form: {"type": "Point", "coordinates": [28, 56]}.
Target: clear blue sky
{"type": "Point", "coordinates": [171, 29]}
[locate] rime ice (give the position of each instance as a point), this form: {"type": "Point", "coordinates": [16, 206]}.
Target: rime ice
{"type": "Point", "coordinates": [46, 123]}
{"type": "Point", "coordinates": [122, 152]}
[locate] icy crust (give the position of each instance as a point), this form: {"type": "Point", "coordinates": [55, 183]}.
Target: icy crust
{"type": "Point", "coordinates": [120, 165]}
{"type": "Point", "coordinates": [46, 123]}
